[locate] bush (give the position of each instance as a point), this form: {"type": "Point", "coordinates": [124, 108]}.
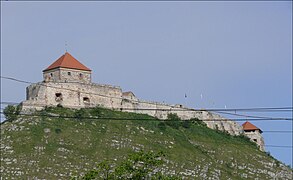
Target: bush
{"type": "Point", "coordinates": [11, 112]}
{"type": "Point", "coordinates": [79, 114]}
{"type": "Point", "coordinates": [162, 126]}
{"type": "Point", "coordinates": [198, 122]}
{"type": "Point", "coordinates": [57, 130]}
{"type": "Point", "coordinates": [186, 124]}
{"type": "Point", "coordinates": [173, 121]}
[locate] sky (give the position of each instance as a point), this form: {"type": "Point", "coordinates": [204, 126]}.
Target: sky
{"type": "Point", "coordinates": [220, 54]}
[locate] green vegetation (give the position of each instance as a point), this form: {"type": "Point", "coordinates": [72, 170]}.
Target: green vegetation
{"type": "Point", "coordinates": [11, 112]}
{"type": "Point", "coordinates": [58, 143]}
{"type": "Point", "coordinates": [138, 165]}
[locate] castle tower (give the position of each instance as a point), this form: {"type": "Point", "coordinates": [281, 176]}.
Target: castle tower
{"type": "Point", "coordinates": [67, 69]}
{"type": "Point", "coordinates": [254, 134]}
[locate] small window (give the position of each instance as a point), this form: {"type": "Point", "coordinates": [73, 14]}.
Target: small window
{"type": "Point", "coordinates": [69, 73]}
{"type": "Point", "coordinates": [255, 140]}
{"type": "Point", "coordinates": [58, 97]}
{"type": "Point", "coordinates": [51, 74]}
{"type": "Point", "coordinates": [81, 75]}
{"type": "Point", "coordinates": [86, 100]}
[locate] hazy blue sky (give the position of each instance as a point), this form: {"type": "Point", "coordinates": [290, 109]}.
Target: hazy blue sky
{"type": "Point", "coordinates": [236, 54]}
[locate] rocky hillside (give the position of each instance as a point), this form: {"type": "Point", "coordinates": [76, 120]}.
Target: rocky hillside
{"type": "Point", "coordinates": [58, 143]}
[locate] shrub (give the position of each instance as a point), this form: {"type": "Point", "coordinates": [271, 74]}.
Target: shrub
{"type": "Point", "coordinates": [173, 121]}
{"type": "Point", "coordinates": [198, 122]}
{"type": "Point", "coordinates": [57, 130]}
{"type": "Point", "coordinates": [11, 112]}
{"type": "Point", "coordinates": [162, 126]}
{"type": "Point", "coordinates": [79, 113]}
{"type": "Point", "coordinates": [186, 124]}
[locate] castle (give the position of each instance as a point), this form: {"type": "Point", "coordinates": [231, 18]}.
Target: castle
{"type": "Point", "coordinates": [67, 82]}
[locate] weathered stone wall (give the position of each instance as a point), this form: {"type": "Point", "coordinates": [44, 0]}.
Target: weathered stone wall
{"type": "Point", "coordinates": [73, 95]}
{"type": "Point", "coordinates": [255, 136]}
{"type": "Point", "coordinates": [67, 75]}
{"type": "Point", "coordinates": [77, 95]}
{"type": "Point", "coordinates": [81, 95]}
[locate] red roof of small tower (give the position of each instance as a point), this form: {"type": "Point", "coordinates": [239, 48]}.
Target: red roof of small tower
{"type": "Point", "coordinates": [67, 61]}
{"type": "Point", "coordinates": [247, 126]}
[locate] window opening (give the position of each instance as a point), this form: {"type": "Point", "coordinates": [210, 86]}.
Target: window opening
{"type": "Point", "coordinates": [80, 75]}
{"type": "Point", "coordinates": [86, 100]}
{"type": "Point", "coordinates": [69, 73]}
{"type": "Point", "coordinates": [51, 74]}
{"type": "Point", "coordinates": [58, 97]}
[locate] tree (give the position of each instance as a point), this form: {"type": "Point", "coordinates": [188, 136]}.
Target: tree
{"type": "Point", "coordinates": [173, 121]}
{"type": "Point", "coordinates": [11, 112]}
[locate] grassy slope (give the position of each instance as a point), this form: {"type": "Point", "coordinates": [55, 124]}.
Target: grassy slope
{"type": "Point", "coordinates": [74, 145]}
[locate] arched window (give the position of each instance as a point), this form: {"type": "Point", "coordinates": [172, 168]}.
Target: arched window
{"type": "Point", "coordinates": [80, 75]}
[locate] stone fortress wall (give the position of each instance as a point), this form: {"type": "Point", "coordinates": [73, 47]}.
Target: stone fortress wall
{"type": "Point", "coordinates": [67, 82]}
{"type": "Point", "coordinates": [82, 95]}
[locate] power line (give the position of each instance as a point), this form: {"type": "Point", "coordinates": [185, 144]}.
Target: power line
{"type": "Point", "coordinates": [185, 109]}
{"type": "Point", "coordinates": [200, 141]}
{"type": "Point", "coordinates": [277, 146]}
{"type": "Point", "coordinates": [251, 118]}
{"type": "Point", "coordinates": [259, 109]}
{"type": "Point", "coordinates": [242, 115]}
{"type": "Point", "coordinates": [146, 119]}
{"type": "Point", "coordinates": [277, 131]}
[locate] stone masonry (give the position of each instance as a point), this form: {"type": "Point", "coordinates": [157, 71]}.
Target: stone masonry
{"type": "Point", "coordinates": [67, 82]}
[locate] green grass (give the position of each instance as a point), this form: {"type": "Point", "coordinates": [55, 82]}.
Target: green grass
{"type": "Point", "coordinates": [76, 144]}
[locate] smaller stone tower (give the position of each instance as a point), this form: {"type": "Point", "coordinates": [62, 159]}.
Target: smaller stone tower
{"type": "Point", "coordinates": [254, 134]}
{"type": "Point", "coordinates": [67, 69]}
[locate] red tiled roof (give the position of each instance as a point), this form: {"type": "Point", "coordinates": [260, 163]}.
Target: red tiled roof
{"type": "Point", "coordinates": [247, 126]}
{"type": "Point", "coordinates": [67, 61]}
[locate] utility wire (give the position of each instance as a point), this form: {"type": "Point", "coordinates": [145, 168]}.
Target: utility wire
{"type": "Point", "coordinates": [146, 119]}
{"type": "Point", "coordinates": [185, 109]}
{"type": "Point", "coordinates": [277, 146]}
{"type": "Point", "coordinates": [242, 115]}
{"type": "Point", "coordinates": [262, 109]}
{"type": "Point", "coordinates": [200, 141]}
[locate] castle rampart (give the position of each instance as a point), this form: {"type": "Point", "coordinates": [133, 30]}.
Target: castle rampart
{"type": "Point", "coordinates": [68, 83]}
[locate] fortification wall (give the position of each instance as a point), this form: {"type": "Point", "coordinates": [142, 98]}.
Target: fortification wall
{"type": "Point", "coordinates": [161, 111]}
{"type": "Point", "coordinates": [257, 138]}
{"type": "Point", "coordinates": [79, 95]}
{"type": "Point", "coordinates": [72, 95]}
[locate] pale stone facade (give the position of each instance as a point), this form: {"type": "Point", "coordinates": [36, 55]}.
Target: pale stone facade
{"type": "Point", "coordinates": [67, 75]}
{"type": "Point", "coordinates": [73, 88]}
{"type": "Point", "coordinates": [256, 137]}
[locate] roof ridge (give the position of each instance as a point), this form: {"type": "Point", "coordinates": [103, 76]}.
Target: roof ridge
{"type": "Point", "coordinates": [67, 61]}
{"type": "Point", "coordinates": [249, 126]}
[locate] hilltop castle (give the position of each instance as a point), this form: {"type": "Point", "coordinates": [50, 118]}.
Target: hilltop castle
{"type": "Point", "coordinates": [67, 82]}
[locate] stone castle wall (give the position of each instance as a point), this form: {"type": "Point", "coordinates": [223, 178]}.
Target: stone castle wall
{"type": "Point", "coordinates": [72, 95]}
{"type": "Point", "coordinates": [67, 75]}
{"type": "Point", "coordinates": [79, 95]}
{"type": "Point", "coordinates": [255, 136]}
